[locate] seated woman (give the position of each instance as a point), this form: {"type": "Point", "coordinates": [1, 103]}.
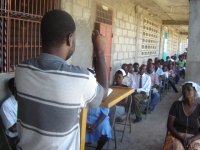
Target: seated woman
{"type": "Point", "coordinates": [98, 127]}
{"type": "Point", "coordinates": [183, 121]}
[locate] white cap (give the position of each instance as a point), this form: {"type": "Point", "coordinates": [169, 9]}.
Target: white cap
{"type": "Point", "coordinates": [195, 85]}
{"type": "Point", "coordinates": [123, 72]}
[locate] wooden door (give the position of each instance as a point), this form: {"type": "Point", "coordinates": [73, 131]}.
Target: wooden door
{"type": "Point", "coordinates": [106, 31]}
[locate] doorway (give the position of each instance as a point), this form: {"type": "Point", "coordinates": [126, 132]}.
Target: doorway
{"type": "Point", "coordinates": [104, 25]}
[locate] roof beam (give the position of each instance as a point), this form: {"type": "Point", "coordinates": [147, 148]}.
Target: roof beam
{"type": "Point", "coordinates": [173, 22]}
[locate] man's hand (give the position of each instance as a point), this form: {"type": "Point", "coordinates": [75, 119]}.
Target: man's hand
{"type": "Point", "coordinates": [98, 42]}
{"type": "Point", "coordinates": [91, 127]}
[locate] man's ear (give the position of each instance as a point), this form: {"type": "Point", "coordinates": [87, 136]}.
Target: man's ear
{"type": "Point", "coordinates": [69, 39]}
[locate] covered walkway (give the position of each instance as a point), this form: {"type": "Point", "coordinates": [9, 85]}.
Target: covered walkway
{"type": "Point", "coordinates": [135, 31]}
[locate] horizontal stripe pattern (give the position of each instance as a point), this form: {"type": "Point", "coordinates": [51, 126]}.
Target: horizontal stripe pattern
{"type": "Point", "coordinates": [46, 117]}
{"type": "Point", "coordinates": [57, 72]}
{"type": "Point", "coordinates": [59, 88]}
{"type": "Point", "coordinates": [48, 102]}
{"type": "Point", "coordinates": [45, 133]}
{"type": "Point", "coordinates": [50, 96]}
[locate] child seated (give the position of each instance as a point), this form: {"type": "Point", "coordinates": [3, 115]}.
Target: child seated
{"type": "Point", "coordinates": [8, 113]}
{"type": "Point", "coordinates": [120, 108]}
{"type": "Point", "coordinates": [98, 127]}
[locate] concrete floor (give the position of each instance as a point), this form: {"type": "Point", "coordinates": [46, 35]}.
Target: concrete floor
{"type": "Point", "coordinates": [150, 133]}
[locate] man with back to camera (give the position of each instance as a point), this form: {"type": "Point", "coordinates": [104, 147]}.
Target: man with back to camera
{"type": "Point", "coordinates": [51, 93]}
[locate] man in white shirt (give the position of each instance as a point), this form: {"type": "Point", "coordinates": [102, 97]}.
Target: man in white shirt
{"type": "Point", "coordinates": [158, 69]}
{"type": "Point", "coordinates": [155, 96]}
{"type": "Point", "coordinates": [135, 68]}
{"type": "Point", "coordinates": [8, 113]}
{"type": "Point", "coordinates": [142, 86]}
{"type": "Point", "coordinates": [128, 79]}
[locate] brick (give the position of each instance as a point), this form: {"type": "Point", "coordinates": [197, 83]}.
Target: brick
{"type": "Point", "coordinates": [66, 5]}
{"type": "Point", "coordinates": [125, 55]}
{"type": "Point", "coordinates": [116, 21]}
{"type": "Point", "coordinates": [121, 23]}
{"type": "Point", "coordinates": [118, 47]}
{"type": "Point", "coordinates": [130, 33]}
{"type": "Point", "coordinates": [115, 39]}
{"type": "Point", "coordinates": [86, 14]}
{"type": "Point", "coordinates": [115, 56]}
{"type": "Point", "coordinates": [118, 31]}
{"type": "Point", "coordinates": [77, 11]}
{"type": "Point", "coordinates": [132, 27]}
{"type": "Point", "coordinates": [83, 3]}
{"type": "Point", "coordinates": [130, 55]}
{"type": "Point", "coordinates": [119, 15]}
{"type": "Point", "coordinates": [125, 17]}
{"type": "Point", "coordinates": [120, 56]}
{"type": "Point", "coordinates": [131, 19]}
{"type": "Point", "coordinates": [126, 40]}
{"type": "Point", "coordinates": [125, 32]}
{"type": "Point", "coordinates": [128, 47]}
{"type": "Point", "coordinates": [121, 40]}
{"type": "Point", "coordinates": [127, 25]}
{"type": "Point", "coordinates": [131, 41]}
{"type": "Point", "coordinates": [124, 48]}
{"type": "Point", "coordinates": [133, 48]}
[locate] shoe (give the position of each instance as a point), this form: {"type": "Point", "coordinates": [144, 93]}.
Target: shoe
{"type": "Point", "coordinates": [145, 112]}
{"type": "Point", "coordinates": [137, 120]}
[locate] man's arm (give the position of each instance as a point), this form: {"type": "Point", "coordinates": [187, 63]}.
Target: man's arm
{"type": "Point", "coordinates": [100, 65]}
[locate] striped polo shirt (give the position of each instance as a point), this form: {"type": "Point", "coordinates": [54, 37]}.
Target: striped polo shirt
{"type": "Point", "coordinates": [50, 96]}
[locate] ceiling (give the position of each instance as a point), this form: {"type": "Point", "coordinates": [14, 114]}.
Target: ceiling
{"type": "Point", "coordinates": [176, 11]}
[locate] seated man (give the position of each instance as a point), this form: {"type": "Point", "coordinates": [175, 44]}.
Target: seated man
{"type": "Point", "coordinates": [142, 86]}
{"type": "Point", "coordinates": [135, 68]}
{"type": "Point", "coordinates": [181, 66]}
{"type": "Point", "coordinates": [8, 113]}
{"type": "Point", "coordinates": [155, 96]}
{"type": "Point", "coordinates": [128, 77]}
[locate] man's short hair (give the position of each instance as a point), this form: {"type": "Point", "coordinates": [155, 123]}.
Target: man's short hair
{"type": "Point", "coordinates": [136, 64]}
{"type": "Point", "coordinates": [56, 25]}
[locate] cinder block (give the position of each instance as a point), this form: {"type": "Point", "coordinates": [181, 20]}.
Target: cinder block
{"type": "Point", "coordinates": [120, 55]}
{"type": "Point", "coordinates": [77, 11]}
{"type": "Point", "coordinates": [118, 47]}
{"type": "Point", "coordinates": [127, 25]}
{"type": "Point", "coordinates": [121, 23]}
{"type": "Point", "coordinates": [119, 15]}
{"type": "Point", "coordinates": [121, 40]}
{"type": "Point", "coordinates": [125, 32]}
{"type": "Point", "coordinates": [124, 48]}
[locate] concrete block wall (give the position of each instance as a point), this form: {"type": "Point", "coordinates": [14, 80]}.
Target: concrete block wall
{"type": "Point", "coordinates": [172, 41]}
{"type": "Point", "coordinates": [127, 31]}
{"type": "Point", "coordinates": [82, 12]}
{"type": "Point", "coordinates": [184, 43]}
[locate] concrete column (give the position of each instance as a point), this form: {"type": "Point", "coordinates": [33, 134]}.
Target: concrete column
{"type": "Point", "coordinates": [193, 59]}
